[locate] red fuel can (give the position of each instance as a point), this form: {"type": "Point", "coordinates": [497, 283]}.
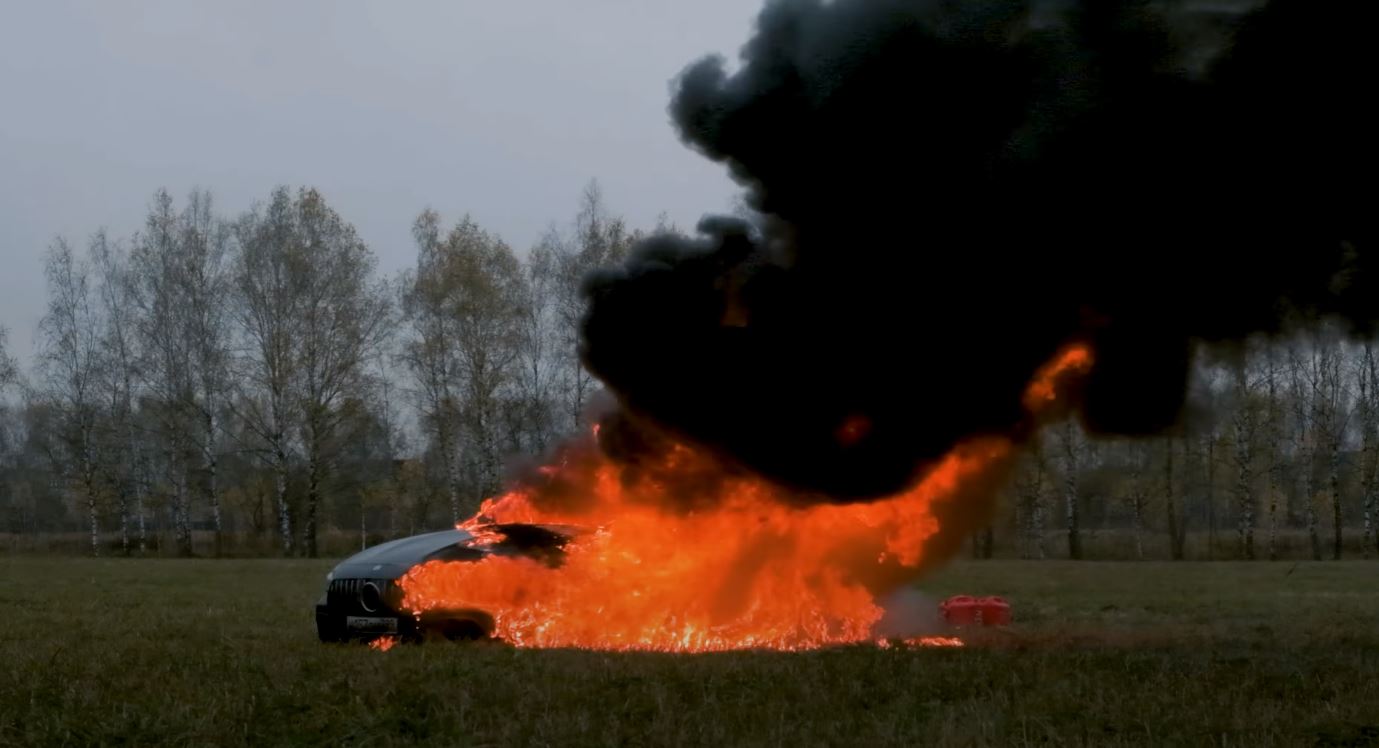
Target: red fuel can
{"type": "Point", "coordinates": [966, 610]}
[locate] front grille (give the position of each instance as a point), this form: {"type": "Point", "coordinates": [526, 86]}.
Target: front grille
{"type": "Point", "coordinates": [343, 594]}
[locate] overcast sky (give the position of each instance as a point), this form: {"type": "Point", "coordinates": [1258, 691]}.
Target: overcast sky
{"type": "Point", "coordinates": [503, 110]}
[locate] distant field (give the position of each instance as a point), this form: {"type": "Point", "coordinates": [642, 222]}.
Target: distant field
{"type": "Point", "coordinates": [224, 652]}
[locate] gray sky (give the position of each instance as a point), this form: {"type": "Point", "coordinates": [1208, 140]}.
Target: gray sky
{"type": "Point", "coordinates": [500, 109]}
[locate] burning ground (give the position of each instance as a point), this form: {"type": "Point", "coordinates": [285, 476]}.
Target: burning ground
{"type": "Point", "coordinates": [737, 563]}
{"type": "Point", "coordinates": [814, 407]}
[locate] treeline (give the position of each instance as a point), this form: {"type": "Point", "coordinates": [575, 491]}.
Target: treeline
{"type": "Point", "coordinates": [1277, 456]}
{"type": "Point", "coordinates": [219, 384]}
{"type": "Point", "coordinates": [253, 384]}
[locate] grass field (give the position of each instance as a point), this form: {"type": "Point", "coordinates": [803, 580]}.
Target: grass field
{"type": "Point", "coordinates": [214, 653]}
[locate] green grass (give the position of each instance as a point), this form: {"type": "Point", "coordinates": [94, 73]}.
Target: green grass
{"type": "Point", "coordinates": [214, 653]}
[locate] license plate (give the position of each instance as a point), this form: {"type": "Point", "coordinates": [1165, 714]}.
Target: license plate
{"type": "Point", "coordinates": [366, 625]}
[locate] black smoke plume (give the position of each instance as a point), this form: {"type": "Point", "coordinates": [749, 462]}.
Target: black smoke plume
{"type": "Point", "coordinates": [951, 191]}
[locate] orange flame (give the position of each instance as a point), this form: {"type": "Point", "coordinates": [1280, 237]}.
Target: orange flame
{"type": "Point", "coordinates": [752, 570]}
{"type": "Point", "coordinates": [1075, 360]}
{"type": "Point", "coordinates": [384, 643]}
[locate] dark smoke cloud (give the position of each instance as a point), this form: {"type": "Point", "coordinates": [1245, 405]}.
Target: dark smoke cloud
{"type": "Point", "coordinates": [950, 191]}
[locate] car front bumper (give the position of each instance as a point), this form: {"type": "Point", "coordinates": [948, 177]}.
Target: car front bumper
{"type": "Point", "coordinates": [336, 625]}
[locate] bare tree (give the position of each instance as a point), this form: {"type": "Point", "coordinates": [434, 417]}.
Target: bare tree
{"type": "Point", "coordinates": [393, 442]}
{"type": "Point", "coordinates": [600, 239]}
{"type": "Point", "coordinates": [428, 350]}
{"type": "Point", "coordinates": [469, 303]}
{"type": "Point", "coordinates": [1073, 448]}
{"type": "Point", "coordinates": [9, 370]}
{"type": "Point", "coordinates": [182, 287]}
{"type": "Point", "coordinates": [1333, 406]}
{"type": "Point", "coordinates": [536, 343]}
{"type": "Point", "coordinates": [1138, 486]}
{"type": "Point", "coordinates": [119, 381]}
{"type": "Point", "coordinates": [343, 322]}
{"type": "Point", "coordinates": [1367, 402]}
{"type": "Point", "coordinates": [1030, 485]}
{"type": "Point", "coordinates": [1177, 515]}
{"type": "Point", "coordinates": [1306, 434]}
{"type": "Point", "coordinates": [486, 306]}
{"type": "Point", "coordinates": [205, 290]}
{"type": "Point", "coordinates": [268, 307]}
{"type": "Point", "coordinates": [1274, 437]}
{"type": "Point", "coordinates": [1244, 425]}
{"type": "Point", "coordinates": [70, 362]}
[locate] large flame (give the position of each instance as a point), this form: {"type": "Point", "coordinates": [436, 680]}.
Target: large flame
{"type": "Point", "coordinates": [750, 569]}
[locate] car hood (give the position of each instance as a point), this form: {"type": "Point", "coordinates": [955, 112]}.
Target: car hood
{"type": "Point", "coordinates": [392, 559]}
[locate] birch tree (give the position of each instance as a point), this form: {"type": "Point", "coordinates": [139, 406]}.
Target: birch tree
{"type": "Point", "coordinates": [9, 369]}
{"type": "Point", "coordinates": [1305, 435]}
{"type": "Point", "coordinates": [1333, 415]}
{"type": "Point", "coordinates": [537, 336]}
{"type": "Point", "coordinates": [1274, 435]}
{"type": "Point", "coordinates": [599, 240]}
{"type": "Point", "coordinates": [70, 362]}
{"type": "Point", "coordinates": [1030, 486]}
{"type": "Point", "coordinates": [1367, 403]}
{"type": "Point", "coordinates": [1177, 516]}
{"type": "Point", "coordinates": [204, 280]}
{"type": "Point", "coordinates": [1244, 424]}
{"type": "Point", "coordinates": [268, 305]}
{"type": "Point", "coordinates": [1073, 447]}
{"type": "Point", "coordinates": [473, 335]}
{"type": "Point", "coordinates": [428, 351]}
{"type": "Point", "coordinates": [119, 383]}
{"type": "Point", "coordinates": [343, 323]}
{"type": "Point", "coordinates": [1138, 495]}
{"type": "Point", "coordinates": [486, 308]}
{"type": "Point", "coordinates": [181, 278]}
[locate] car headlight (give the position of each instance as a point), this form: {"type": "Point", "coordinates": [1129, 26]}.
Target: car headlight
{"type": "Point", "coordinates": [330, 576]}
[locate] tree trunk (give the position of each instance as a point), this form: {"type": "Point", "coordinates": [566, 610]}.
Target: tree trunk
{"type": "Point", "coordinates": [137, 471]}
{"type": "Point", "coordinates": [1137, 495]}
{"type": "Point", "coordinates": [182, 518]}
{"type": "Point", "coordinates": [1177, 522]}
{"type": "Point", "coordinates": [124, 525]}
{"type": "Point", "coordinates": [1244, 498]}
{"type": "Point", "coordinates": [284, 512]}
{"type": "Point", "coordinates": [1313, 532]}
{"type": "Point", "coordinates": [92, 515]}
{"type": "Point", "coordinates": [1273, 523]}
{"type": "Point", "coordinates": [1335, 465]}
{"type": "Point", "coordinates": [1275, 447]}
{"type": "Point", "coordinates": [313, 498]}
{"type": "Point", "coordinates": [1032, 501]}
{"type": "Point", "coordinates": [1211, 496]}
{"type": "Point", "coordinates": [212, 488]}
{"type": "Point", "coordinates": [1244, 462]}
{"type": "Point", "coordinates": [1070, 468]}
{"type": "Point", "coordinates": [143, 522]}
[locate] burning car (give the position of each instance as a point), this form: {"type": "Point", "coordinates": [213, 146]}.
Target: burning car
{"type": "Point", "coordinates": [363, 596]}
